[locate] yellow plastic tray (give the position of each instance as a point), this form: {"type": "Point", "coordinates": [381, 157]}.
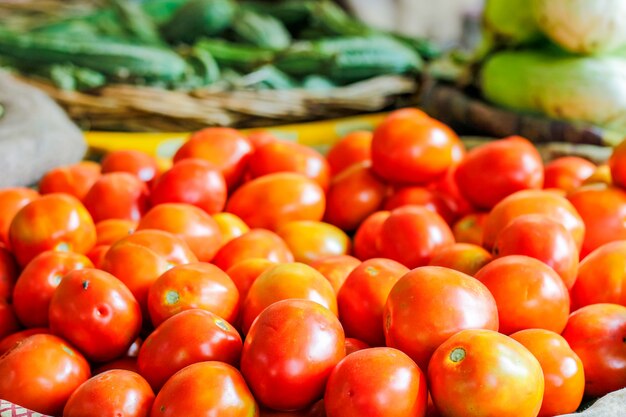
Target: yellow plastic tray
{"type": "Point", "coordinates": [320, 134]}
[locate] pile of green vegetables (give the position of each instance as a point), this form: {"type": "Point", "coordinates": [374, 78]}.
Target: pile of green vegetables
{"type": "Point", "coordinates": [183, 44]}
{"type": "Point", "coordinates": [563, 58]}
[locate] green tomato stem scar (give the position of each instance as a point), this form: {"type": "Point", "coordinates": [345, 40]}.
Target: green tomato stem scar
{"type": "Point", "coordinates": [172, 297]}
{"type": "Point", "coordinates": [457, 355]}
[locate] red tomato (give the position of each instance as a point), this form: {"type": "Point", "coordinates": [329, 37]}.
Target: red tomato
{"type": "Point", "coordinates": [529, 294]}
{"type": "Point", "coordinates": [430, 304]}
{"type": "Point", "coordinates": [316, 410]}
{"type": "Point", "coordinates": [189, 223]}
{"type": "Point", "coordinates": [9, 272]}
{"type": "Point", "coordinates": [117, 393]}
{"type": "Point", "coordinates": [413, 149]}
{"type": "Point", "coordinates": [139, 259]}
{"type": "Point", "coordinates": [596, 333]}
{"type": "Point", "coordinates": [282, 358]}
{"type": "Point", "coordinates": [603, 210]}
{"type": "Point", "coordinates": [12, 340]}
{"type": "Point", "coordinates": [274, 199]}
{"type": "Point", "coordinates": [140, 164]}
{"type": "Point", "coordinates": [562, 370]}
{"type": "Point", "coordinates": [542, 238]}
{"type": "Point", "coordinates": [205, 389]}
{"type": "Point", "coordinates": [352, 148]}
{"type": "Point", "coordinates": [421, 196]}
{"type": "Point", "coordinates": [195, 285]}
{"type": "Point", "coordinates": [310, 241]}
{"type": "Point", "coordinates": [447, 189]}
{"type": "Point", "coordinates": [11, 201]}
{"type": "Point", "coordinates": [354, 345]}
{"type": "Point", "coordinates": [376, 382]}
{"type": "Point", "coordinates": [226, 149]}
{"type": "Point", "coordinates": [8, 320]}
{"type": "Point", "coordinates": [110, 231]}
{"type": "Point", "coordinates": [482, 371]}
{"type": "Point", "coordinates": [244, 273]}
{"type": "Point", "coordinates": [97, 254]}
{"type": "Point", "coordinates": [117, 195]}
{"type": "Point", "coordinates": [411, 235]}
{"type": "Point", "coordinates": [550, 204]}
{"type": "Point", "coordinates": [95, 312]}
{"type": "Point", "coordinates": [33, 291]}
{"type": "Point", "coordinates": [75, 180]}
{"type": "Point", "coordinates": [283, 156]}
{"type": "Point", "coordinates": [617, 165]}
{"type": "Point", "coordinates": [354, 194]}
{"type": "Point", "coordinates": [498, 169]}
{"type": "Point", "coordinates": [260, 138]}
{"type": "Point", "coordinates": [41, 373]}
{"type": "Point", "coordinates": [257, 243]}
{"type": "Point", "coordinates": [462, 257]}
{"type": "Point", "coordinates": [54, 221]}
{"type": "Point", "coordinates": [194, 182]}
{"type": "Point", "coordinates": [362, 298]}
{"type": "Point", "coordinates": [602, 276]}
{"type": "Point", "coordinates": [567, 173]}
{"type": "Point", "coordinates": [367, 237]}
{"type": "Point", "coordinates": [186, 338]}
{"type": "Point", "coordinates": [230, 226]}
{"type": "Point", "coordinates": [125, 362]}
{"type": "Point", "coordinates": [469, 229]}
{"type": "Point", "coordinates": [336, 269]}
{"type": "Point", "coordinates": [408, 113]}
{"type": "Point", "coordinates": [282, 282]}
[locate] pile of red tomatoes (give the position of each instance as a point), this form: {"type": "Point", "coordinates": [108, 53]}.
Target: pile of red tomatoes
{"type": "Point", "coordinates": [397, 275]}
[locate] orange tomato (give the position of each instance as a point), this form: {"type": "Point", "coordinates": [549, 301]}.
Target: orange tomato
{"type": "Point", "coordinates": [244, 273]}
{"type": "Point", "coordinates": [260, 138]}
{"type": "Point", "coordinates": [602, 175]}
{"type": "Point", "coordinates": [354, 345]}
{"type": "Point", "coordinates": [75, 179]}
{"type": "Point", "coordinates": [275, 199]}
{"type": "Point", "coordinates": [336, 269]}
{"type": "Point", "coordinates": [423, 197]}
{"type": "Point", "coordinates": [54, 221]}
{"type": "Point", "coordinates": [462, 257]}
{"type": "Point", "coordinates": [617, 165]}
{"type": "Point", "coordinates": [567, 173]}
{"type": "Point", "coordinates": [352, 148]}
{"type": "Point", "coordinates": [430, 304]}
{"type": "Point", "coordinates": [11, 201]}
{"type": "Point", "coordinates": [472, 372]}
{"type": "Point", "coordinates": [111, 230]}
{"type": "Point", "coordinates": [97, 254]}
{"type": "Point", "coordinates": [563, 372]}
{"type": "Point", "coordinates": [140, 164]}
{"type": "Point", "coordinates": [469, 228]}
{"type": "Point", "coordinates": [12, 340]}
{"type": "Point", "coordinates": [230, 226]}
{"type": "Point", "coordinates": [8, 320]}
{"type": "Point", "coordinates": [257, 243]}
{"type": "Point", "coordinates": [367, 238]}
{"type": "Point", "coordinates": [9, 272]}
{"type": "Point", "coordinates": [529, 294]}
{"type": "Point", "coordinates": [310, 241]}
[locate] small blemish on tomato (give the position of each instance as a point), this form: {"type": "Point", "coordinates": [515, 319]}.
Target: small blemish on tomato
{"type": "Point", "coordinates": [171, 297]}
{"type": "Point", "coordinates": [457, 355]}
{"type": "Point", "coordinates": [371, 271]}
{"type": "Point", "coordinates": [85, 284]}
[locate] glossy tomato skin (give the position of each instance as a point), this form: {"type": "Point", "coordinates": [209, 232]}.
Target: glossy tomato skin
{"type": "Point", "coordinates": [140, 164]}
{"type": "Point", "coordinates": [563, 372]}
{"type": "Point", "coordinates": [543, 202]}
{"type": "Point", "coordinates": [198, 229]}
{"type": "Point", "coordinates": [362, 298]}
{"type": "Point", "coordinates": [283, 156]}
{"type": "Point", "coordinates": [603, 209]}
{"type": "Point", "coordinates": [596, 333]}
{"type": "Point", "coordinates": [567, 173]}
{"type": "Point", "coordinates": [9, 271]}
{"type": "Point", "coordinates": [471, 373]}
{"type": "Point", "coordinates": [13, 339]}
{"type": "Point", "coordinates": [495, 170]}
{"type": "Point", "coordinates": [414, 150]}
{"type": "Point", "coordinates": [260, 138]}
{"type": "Point", "coordinates": [54, 221]}
{"type": "Point", "coordinates": [529, 294]}
{"type": "Point", "coordinates": [114, 392]}
{"type": "Point", "coordinates": [540, 237]}
{"type": "Point", "coordinates": [354, 194]}
{"type": "Point", "coordinates": [39, 280]}
{"type": "Point", "coordinates": [75, 180]}
{"type": "Point", "coordinates": [601, 276]}
{"type": "Point", "coordinates": [244, 273]}
{"type": "Point", "coordinates": [366, 243]}
{"type": "Point", "coordinates": [186, 338]}
{"type": "Point", "coordinates": [289, 353]}
{"type": "Point", "coordinates": [421, 196]}
{"type": "Point", "coordinates": [617, 165]}
{"type": "Point", "coordinates": [412, 235]}
{"type": "Point", "coordinates": [376, 382]}
{"type": "Point", "coordinates": [430, 304]}
{"type": "Point", "coordinates": [196, 285]}
{"type": "Point", "coordinates": [469, 228]}
{"type": "Point", "coordinates": [230, 226]}
{"type": "Point", "coordinates": [336, 269]}
{"type": "Point", "coordinates": [8, 320]}
{"type": "Point", "coordinates": [205, 388]}
{"type": "Point", "coordinates": [462, 257]}
{"type": "Point", "coordinates": [111, 230]}
{"type": "Point", "coordinates": [41, 373]}
{"type": "Point", "coordinates": [286, 281]}
{"type": "Point", "coordinates": [274, 199]}
{"type": "Point", "coordinates": [354, 345]}
{"type": "Point", "coordinates": [95, 312]}
{"type": "Point", "coordinates": [194, 182]}
{"type": "Point", "coordinates": [310, 241]}
{"type": "Point", "coordinates": [117, 195]}
{"type": "Point", "coordinates": [226, 149]}
{"type": "Point", "coordinates": [353, 148]}
{"type": "Point", "coordinates": [257, 243]}
{"type": "Point", "coordinates": [11, 201]}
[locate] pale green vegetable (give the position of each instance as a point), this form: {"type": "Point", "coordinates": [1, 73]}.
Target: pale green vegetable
{"type": "Point", "coordinates": [510, 21]}
{"type": "Point", "coordinates": [589, 89]}
{"type": "Point", "coordinates": [583, 26]}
